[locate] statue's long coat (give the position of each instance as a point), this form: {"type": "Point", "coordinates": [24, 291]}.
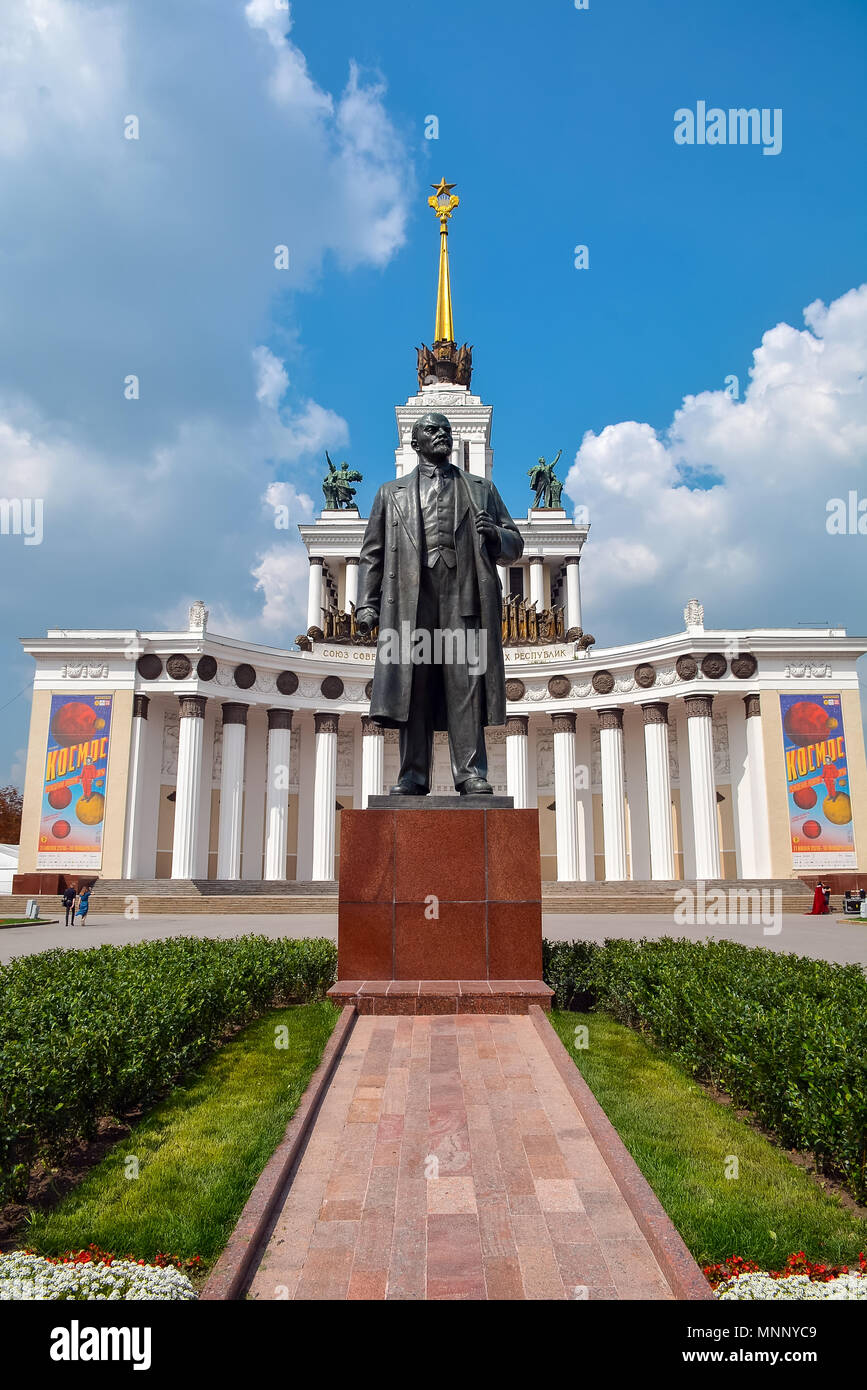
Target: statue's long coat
{"type": "Point", "coordinates": [388, 583]}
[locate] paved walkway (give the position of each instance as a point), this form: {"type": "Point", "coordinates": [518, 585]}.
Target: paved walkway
{"type": "Point", "coordinates": [449, 1161]}
{"type": "Point", "coordinates": [824, 938]}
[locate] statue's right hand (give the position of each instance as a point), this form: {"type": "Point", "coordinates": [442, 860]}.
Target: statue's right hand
{"type": "Point", "coordinates": [365, 619]}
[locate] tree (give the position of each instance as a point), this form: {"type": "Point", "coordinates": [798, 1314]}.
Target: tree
{"type": "Point", "coordinates": [11, 802]}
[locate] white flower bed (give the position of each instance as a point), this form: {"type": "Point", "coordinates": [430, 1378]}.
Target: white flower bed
{"type": "Point", "coordinates": [798, 1286]}
{"type": "Point", "coordinates": [29, 1278]}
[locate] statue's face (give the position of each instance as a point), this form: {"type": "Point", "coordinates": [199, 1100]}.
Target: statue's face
{"type": "Point", "coordinates": [433, 437]}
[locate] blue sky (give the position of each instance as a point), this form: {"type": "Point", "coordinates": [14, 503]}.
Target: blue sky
{"type": "Point", "coordinates": [262, 125]}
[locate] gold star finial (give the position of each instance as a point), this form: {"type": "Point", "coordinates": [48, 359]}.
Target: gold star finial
{"type": "Point", "coordinates": [444, 201]}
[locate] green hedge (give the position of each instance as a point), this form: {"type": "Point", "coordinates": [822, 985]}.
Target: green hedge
{"type": "Point", "coordinates": [85, 1034]}
{"type": "Point", "coordinates": [785, 1036]}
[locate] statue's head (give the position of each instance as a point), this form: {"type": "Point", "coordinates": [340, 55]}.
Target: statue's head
{"type": "Point", "coordinates": [542, 461]}
{"type": "Point", "coordinates": [432, 436]}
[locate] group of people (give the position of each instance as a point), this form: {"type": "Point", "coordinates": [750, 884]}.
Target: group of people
{"type": "Point", "coordinates": [70, 895]}
{"type": "Point", "coordinates": [821, 900]}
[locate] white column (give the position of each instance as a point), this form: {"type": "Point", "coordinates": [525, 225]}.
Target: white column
{"type": "Point", "coordinates": [277, 792]}
{"type": "Point", "coordinates": [351, 583]}
{"type": "Point", "coordinates": [758, 787]}
{"type": "Point", "coordinates": [586, 838]}
{"type": "Point", "coordinates": [187, 790]}
{"type": "Point", "coordinates": [232, 791]}
{"type": "Point", "coordinates": [504, 578]}
{"type": "Point", "coordinates": [699, 722]}
{"type": "Point", "coordinates": [314, 592]}
{"type": "Point", "coordinates": [573, 593]}
{"type": "Point", "coordinates": [565, 801]}
{"type": "Point", "coordinates": [537, 582]}
{"type": "Point", "coordinates": [372, 759]}
{"type": "Point", "coordinates": [613, 792]}
{"type": "Point", "coordinates": [135, 784]}
{"type": "Point", "coordinates": [325, 796]}
{"type": "Point", "coordinates": [518, 759]}
{"type": "Point", "coordinates": [658, 789]}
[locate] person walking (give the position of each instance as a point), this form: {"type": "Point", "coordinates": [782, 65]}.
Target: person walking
{"type": "Point", "coordinates": [68, 901]}
{"type": "Point", "coordinates": [83, 904]}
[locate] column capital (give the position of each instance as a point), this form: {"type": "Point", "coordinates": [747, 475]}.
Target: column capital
{"type": "Point", "coordinates": [537, 559]}
{"type": "Point", "coordinates": [315, 560]}
{"type": "Point", "coordinates": [326, 723]}
{"type": "Point", "coordinates": [369, 729]}
{"type": "Point", "coordinates": [610, 718]}
{"type": "Point", "coordinates": [564, 722]}
{"type": "Point", "coordinates": [517, 724]}
{"type": "Point", "coordinates": [192, 706]}
{"type": "Point", "coordinates": [352, 559]}
{"type": "Point", "coordinates": [752, 705]}
{"type": "Point", "coordinates": [235, 714]}
{"type": "Point", "coordinates": [656, 712]}
{"type": "Point", "coordinates": [279, 718]}
{"type": "Point", "coordinates": [140, 706]}
{"type": "Point", "coordinates": [698, 706]}
{"type": "Point", "coordinates": [572, 560]}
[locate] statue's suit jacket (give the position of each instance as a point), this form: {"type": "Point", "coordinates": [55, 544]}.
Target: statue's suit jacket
{"type": "Point", "coordinates": [388, 583]}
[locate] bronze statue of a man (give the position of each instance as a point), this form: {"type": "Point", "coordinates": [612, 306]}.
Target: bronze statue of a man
{"type": "Point", "coordinates": [428, 577]}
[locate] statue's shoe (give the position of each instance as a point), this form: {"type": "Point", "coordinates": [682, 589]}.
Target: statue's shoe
{"type": "Point", "coordinates": [476, 786]}
{"type": "Point", "coordinates": [407, 789]}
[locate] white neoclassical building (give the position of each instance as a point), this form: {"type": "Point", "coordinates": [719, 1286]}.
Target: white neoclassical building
{"type": "Point", "coordinates": [705, 753]}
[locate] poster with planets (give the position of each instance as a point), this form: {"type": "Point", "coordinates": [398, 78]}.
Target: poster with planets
{"type": "Point", "coordinates": [73, 794]}
{"type": "Point", "coordinates": [817, 778]}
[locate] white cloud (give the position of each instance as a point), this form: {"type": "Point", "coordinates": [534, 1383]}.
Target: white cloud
{"type": "Point", "coordinates": [753, 546]}
{"type": "Point", "coordinates": [272, 380]}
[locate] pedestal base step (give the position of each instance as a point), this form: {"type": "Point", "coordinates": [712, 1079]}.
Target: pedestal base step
{"type": "Point", "coordinates": [441, 996]}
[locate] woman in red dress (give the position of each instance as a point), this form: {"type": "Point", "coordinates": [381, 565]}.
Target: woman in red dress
{"type": "Point", "coordinates": [820, 906]}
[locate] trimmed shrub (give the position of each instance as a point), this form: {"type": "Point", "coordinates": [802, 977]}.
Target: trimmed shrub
{"type": "Point", "coordinates": [784, 1035]}
{"type": "Point", "coordinates": [88, 1034]}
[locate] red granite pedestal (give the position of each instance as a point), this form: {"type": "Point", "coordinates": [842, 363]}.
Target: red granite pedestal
{"type": "Point", "coordinates": [440, 911]}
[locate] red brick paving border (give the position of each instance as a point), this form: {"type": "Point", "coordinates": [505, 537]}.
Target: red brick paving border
{"type": "Point", "coordinates": [389, 997]}
{"type": "Point", "coordinates": [672, 1256]}
{"type": "Point", "coordinates": [230, 1275]}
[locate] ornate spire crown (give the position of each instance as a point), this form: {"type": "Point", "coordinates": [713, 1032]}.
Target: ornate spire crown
{"type": "Point", "coordinates": [446, 362]}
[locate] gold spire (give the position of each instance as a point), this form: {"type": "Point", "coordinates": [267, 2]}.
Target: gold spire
{"type": "Point", "coordinates": [444, 202]}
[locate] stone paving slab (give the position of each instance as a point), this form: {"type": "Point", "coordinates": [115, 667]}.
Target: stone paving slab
{"type": "Point", "coordinates": [450, 1161]}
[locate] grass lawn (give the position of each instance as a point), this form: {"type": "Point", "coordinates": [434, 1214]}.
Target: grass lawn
{"type": "Point", "coordinates": [199, 1152]}
{"type": "Point", "coordinates": [29, 921]}
{"type": "Point", "coordinates": [682, 1139]}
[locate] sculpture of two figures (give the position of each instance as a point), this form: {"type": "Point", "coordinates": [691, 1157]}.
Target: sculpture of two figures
{"type": "Point", "coordinates": [547, 487]}
{"type": "Point", "coordinates": [336, 485]}
{"type": "Point", "coordinates": [460, 358]}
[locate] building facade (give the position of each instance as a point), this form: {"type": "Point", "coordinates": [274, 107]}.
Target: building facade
{"type": "Point", "coordinates": [702, 754]}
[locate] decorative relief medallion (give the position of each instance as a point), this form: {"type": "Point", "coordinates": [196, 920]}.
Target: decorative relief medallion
{"type": "Point", "coordinates": [603, 682]}
{"type": "Point", "coordinates": [287, 682]}
{"type": "Point", "coordinates": [332, 687]}
{"type": "Point", "coordinates": [686, 667]}
{"type": "Point", "coordinates": [714, 666]}
{"type": "Point", "coordinates": [667, 676]}
{"type": "Point", "coordinates": [206, 668]}
{"type": "Point", "coordinates": [582, 689]}
{"type": "Point", "coordinates": [515, 690]}
{"type": "Point", "coordinates": [623, 684]}
{"type": "Point", "coordinates": [645, 675]}
{"type": "Point", "coordinates": [149, 667]}
{"type": "Point", "coordinates": [179, 667]}
{"type": "Point", "coordinates": [244, 676]}
{"type": "Point", "coordinates": [559, 687]}
{"type": "Point", "coordinates": [744, 666]}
